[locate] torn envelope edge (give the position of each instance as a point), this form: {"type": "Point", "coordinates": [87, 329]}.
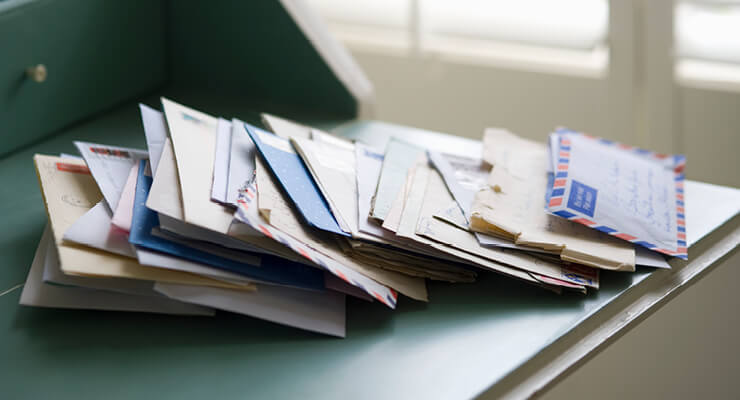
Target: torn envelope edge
{"type": "Point", "coordinates": [556, 193]}
{"type": "Point", "coordinates": [294, 177]}
{"type": "Point", "coordinates": [507, 261]}
{"type": "Point", "coordinates": [505, 270]}
{"type": "Point", "coordinates": [247, 201]}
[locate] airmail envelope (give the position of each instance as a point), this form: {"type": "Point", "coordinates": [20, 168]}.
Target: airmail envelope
{"type": "Point", "coordinates": [295, 179]}
{"type": "Point", "coordinates": [110, 166]}
{"type": "Point", "coordinates": [630, 193]}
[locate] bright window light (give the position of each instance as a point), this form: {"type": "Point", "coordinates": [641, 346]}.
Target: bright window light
{"type": "Point", "coordinates": [370, 13]}
{"type": "Point", "coordinates": [708, 31]}
{"type": "Point", "coordinates": [572, 24]}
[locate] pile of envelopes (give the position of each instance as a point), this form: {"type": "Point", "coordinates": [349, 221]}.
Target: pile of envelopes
{"type": "Point", "coordinates": [282, 223]}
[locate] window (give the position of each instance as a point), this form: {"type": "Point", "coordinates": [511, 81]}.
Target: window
{"type": "Point", "coordinates": [528, 34]}
{"type": "Point", "coordinates": [707, 41]}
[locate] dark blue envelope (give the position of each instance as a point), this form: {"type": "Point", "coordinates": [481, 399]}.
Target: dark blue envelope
{"type": "Point", "coordinates": [272, 269]}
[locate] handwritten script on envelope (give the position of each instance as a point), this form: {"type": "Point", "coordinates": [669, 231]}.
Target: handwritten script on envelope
{"type": "Point", "coordinates": [629, 193]}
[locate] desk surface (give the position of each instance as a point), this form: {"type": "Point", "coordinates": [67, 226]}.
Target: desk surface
{"type": "Point", "coordinates": [468, 338]}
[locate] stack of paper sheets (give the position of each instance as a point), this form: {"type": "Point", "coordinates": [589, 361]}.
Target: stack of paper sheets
{"type": "Point", "coordinates": [283, 223]}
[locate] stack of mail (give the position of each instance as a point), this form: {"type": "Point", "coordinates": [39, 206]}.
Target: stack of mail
{"type": "Point", "coordinates": [542, 199]}
{"type": "Point", "coordinates": [282, 222]}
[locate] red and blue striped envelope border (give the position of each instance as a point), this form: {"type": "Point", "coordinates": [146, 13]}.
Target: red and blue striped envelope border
{"type": "Point", "coordinates": [556, 207]}
{"type": "Point", "coordinates": [248, 199]}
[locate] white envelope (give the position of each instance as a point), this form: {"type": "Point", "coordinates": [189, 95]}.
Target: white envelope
{"type": "Point", "coordinates": [241, 160]}
{"type": "Point", "coordinates": [463, 177]}
{"type": "Point", "coordinates": [110, 167]}
{"type": "Point", "coordinates": [193, 135]}
{"type": "Point", "coordinates": [94, 229]}
{"type": "Point", "coordinates": [164, 198]}
{"type": "Point", "coordinates": [161, 260]}
{"type": "Point", "coordinates": [332, 166]}
{"type": "Point", "coordinates": [284, 128]}
{"type": "Point", "coordinates": [155, 130]}
{"type": "Point", "coordinates": [53, 274]}
{"type": "Point", "coordinates": [322, 312]}
{"type": "Point", "coordinates": [37, 294]}
{"type": "Point", "coordinates": [630, 193]}
{"type": "Point", "coordinates": [221, 161]}
{"type": "Point", "coordinates": [369, 163]}
{"type": "Point", "coordinates": [124, 213]}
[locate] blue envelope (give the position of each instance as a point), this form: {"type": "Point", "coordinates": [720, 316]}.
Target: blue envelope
{"type": "Point", "coordinates": [295, 179]}
{"type": "Point", "coordinates": [272, 269]}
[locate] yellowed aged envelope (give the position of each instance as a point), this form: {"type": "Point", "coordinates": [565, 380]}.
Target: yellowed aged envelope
{"type": "Point", "coordinates": [418, 223]}
{"type": "Point", "coordinates": [275, 209]}
{"type": "Point", "coordinates": [193, 136]}
{"type": "Point", "coordinates": [69, 191]}
{"type": "Point", "coordinates": [512, 207]}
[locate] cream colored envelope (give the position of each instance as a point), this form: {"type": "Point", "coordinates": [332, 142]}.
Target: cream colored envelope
{"type": "Point", "coordinates": [193, 135]}
{"type": "Point", "coordinates": [332, 166]}
{"type": "Point", "coordinates": [427, 195]}
{"type": "Point", "coordinates": [165, 198]}
{"type": "Point", "coordinates": [275, 209]}
{"type": "Point", "coordinates": [69, 191]}
{"type": "Point", "coordinates": [36, 293]}
{"type": "Point", "coordinates": [512, 207]}
{"type": "Point", "coordinates": [286, 129]}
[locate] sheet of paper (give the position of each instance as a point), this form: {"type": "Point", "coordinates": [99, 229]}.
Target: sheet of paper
{"type": "Point", "coordinates": [193, 232]}
{"type": "Point", "coordinates": [290, 232]}
{"type": "Point", "coordinates": [110, 166]}
{"type": "Point", "coordinates": [281, 272]}
{"type": "Point", "coordinates": [295, 179]}
{"type": "Point", "coordinates": [463, 176]}
{"type": "Point", "coordinates": [512, 205]}
{"type": "Point", "coordinates": [630, 193]}
{"type": "Point", "coordinates": [240, 256]}
{"type": "Point", "coordinates": [155, 130]}
{"type": "Point", "coordinates": [69, 191]}
{"type": "Point", "coordinates": [707, 207]}
{"type": "Point", "coordinates": [332, 166]}
{"type": "Point", "coordinates": [399, 158]}
{"type": "Point", "coordinates": [122, 214]}
{"type": "Point", "coordinates": [393, 218]}
{"type": "Point", "coordinates": [322, 312]}
{"type": "Point", "coordinates": [37, 294]}
{"type": "Point", "coordinates": [53, 275]}
{"type": "Point", "coordinates": [220, 187]}
{"type": "Point", "coordinates": [268, 200]}
{"type": "Point", "coordinates": [284, 128]}
{"type": "Point", "coordinates": [193, 135]}
{"type": "Point", "coordinates": [94, 229]}
{"type": "Point", "coordinates": [643, 256]}
{"type": "Point", "coordinates": [241, 160]}
{"type": "Point", "coordinates": [164, 198]}
{"type": "Point", "coordinates": [369, 163]}
{"type": "Point", "coordinates": [166, 261]}
{"type": "Point", "coordinates": [436, 195]}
